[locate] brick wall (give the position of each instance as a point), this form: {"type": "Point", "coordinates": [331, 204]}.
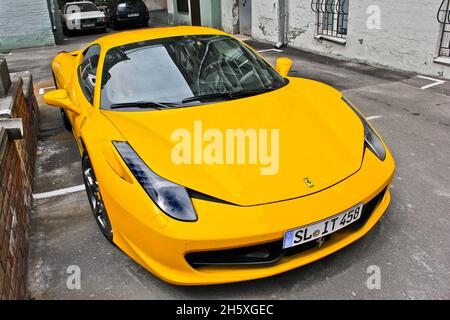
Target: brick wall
{"type": "Point", "coordinates": [26, 108]}
{"type": "Point", "coordinates": [24, 23]}
{"type": "Point", "coordinates": [16, 175]}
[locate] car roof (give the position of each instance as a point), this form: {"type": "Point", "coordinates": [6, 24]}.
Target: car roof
{"type": "Point", "coordinates": [79, 2]}
{"type": "Point", "coordinates": [126, 37]}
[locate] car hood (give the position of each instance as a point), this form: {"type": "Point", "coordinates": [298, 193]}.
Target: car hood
{"type": "Point", "coordinates": [84, 15]}
{"type": "Point", "coordinates": [321, 142]}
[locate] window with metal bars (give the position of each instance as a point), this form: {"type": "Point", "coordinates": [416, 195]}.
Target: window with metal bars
{"type": "Point", "coordinates": [443, 18]}
{"type": "Point", "coordinates": [332, 17]}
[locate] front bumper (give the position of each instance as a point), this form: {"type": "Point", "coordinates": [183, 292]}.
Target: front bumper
{"type": "Point", "coordinates": [160, 244]}
{"type": "Point", "coordinates": [89, 24]}
{"type": "Point", "coordinates": [127, 21]}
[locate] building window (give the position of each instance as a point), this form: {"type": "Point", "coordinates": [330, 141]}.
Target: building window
{"type": "Point", "coordinates": [332, 17]}
{"type": "Point", "coordinates": [444, 19]}
{"type": "Point", "coordinates": [183, 6]}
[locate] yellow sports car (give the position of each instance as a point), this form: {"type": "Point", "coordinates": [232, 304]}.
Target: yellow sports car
{"type": "Point", "coordinates": [207, 165]}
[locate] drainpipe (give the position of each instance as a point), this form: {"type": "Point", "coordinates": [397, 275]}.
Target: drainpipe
{"type": "Point", "coordinates": [56, 21]}
{"type": "Point", "coordinates": [281, 23]}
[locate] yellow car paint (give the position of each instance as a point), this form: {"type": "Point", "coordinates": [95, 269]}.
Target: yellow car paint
{"type": "Point", "coordinates": [321, 138]}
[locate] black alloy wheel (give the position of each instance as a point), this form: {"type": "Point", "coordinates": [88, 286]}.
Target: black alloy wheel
{"type": "Point", "coordinates": [95, 198]}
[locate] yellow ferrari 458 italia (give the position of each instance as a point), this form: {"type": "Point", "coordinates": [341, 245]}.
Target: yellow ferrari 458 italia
{"type": "Point", "coordinates": [207, 165]}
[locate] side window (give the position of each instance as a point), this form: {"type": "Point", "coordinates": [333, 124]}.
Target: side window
{"type": "Point", "coordinates": [87, 71]}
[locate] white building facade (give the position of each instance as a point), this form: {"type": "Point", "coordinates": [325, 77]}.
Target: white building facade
{"type": "Point", "coordinates": [194, 12]}
{"type": "Point", "coordinates": [410, 35]}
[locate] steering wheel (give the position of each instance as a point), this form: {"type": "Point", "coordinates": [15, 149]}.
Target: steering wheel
{"type": "Point", "coordinates": [212, 78]}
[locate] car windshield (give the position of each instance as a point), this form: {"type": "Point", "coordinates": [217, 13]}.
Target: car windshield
{"type": "Point", "coordinates": [132, 5]}
{"type": "Point", "coordinates": [178, 70]}
{"type": "Point", "coordinates": [81, 7]}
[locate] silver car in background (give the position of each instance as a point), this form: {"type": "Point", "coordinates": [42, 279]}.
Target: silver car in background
{"type": "Point", "coordinates": [82, 15]}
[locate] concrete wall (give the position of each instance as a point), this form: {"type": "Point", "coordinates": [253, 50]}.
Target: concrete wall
{"type": "Point", "coordinates": [178, 18]}
{"type": "Point", "coordinates": [408, 37]}
{"type": "Point", "coordinates": [265, 20]}
{"type": "Point", "coordinates": [216, 14]}
{"type": "Point", "coordinates": [25, 23]}
{"type": "Point", "coordinates": [154, 5]}
{"type": "Point", "coordinates": [159, 13]}
{"type": "Point", "coordinates": [170, 12]}
{"type": "Point", "coordinates": [230, 16]}
{"type": "Point", "coordinates": [205, 12]}
{"type": "Point", "coordinates": [210, 12]}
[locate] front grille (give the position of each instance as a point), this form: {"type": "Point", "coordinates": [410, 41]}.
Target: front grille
{"type": "Point", "coordinates": [368, 208]}
{"type": "Point", "coordinates": [89, 21]}
{"type": "Point", "coordinates": [271, 252]}
{"type": "Point", "coordinates": [259, 254]}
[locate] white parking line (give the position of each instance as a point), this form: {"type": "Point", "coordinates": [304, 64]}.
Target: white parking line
{"type": "Point", "coordinates": [42, 90]}
{"type": "Point", "coordinates": [373, 117]}
{"type": "Point", "coordinates": [268, 50]}
{"type": "Point", "coordinates": [58, 192]}
{"type": "Point", "coordinates": [436, 82]}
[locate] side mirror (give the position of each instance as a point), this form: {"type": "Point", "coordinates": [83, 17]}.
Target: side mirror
{"type": "Point", "coordinates": [283, 66]}
{"type": "Point", "coordinates": [60, 98]}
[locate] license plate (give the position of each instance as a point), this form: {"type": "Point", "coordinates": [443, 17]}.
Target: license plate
{"type": "Point", "coordinates": [89, 25]}
{"type": "Point", "coordinates": [133, 15]}
{"type": "Point", "coordinates": [322, 228]}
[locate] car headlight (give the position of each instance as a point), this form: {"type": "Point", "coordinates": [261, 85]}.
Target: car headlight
{"type": "Point", "coordinates": [101, 19]}
{"type": "Point", "coordinates": [170, 197]}
{"type": "Point", "coordinates": [371, 139]}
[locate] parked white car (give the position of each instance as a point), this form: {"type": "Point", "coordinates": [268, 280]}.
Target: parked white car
{"type": "Point", "coordinates": [82, 15]}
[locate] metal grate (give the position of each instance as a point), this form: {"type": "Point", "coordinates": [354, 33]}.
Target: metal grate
{"type": "Point", "coordinates": [332, 17]}
{"type": "Point", "coordinates": [88, 20]}
{"type": "Point", "coordinates": [443, 16]}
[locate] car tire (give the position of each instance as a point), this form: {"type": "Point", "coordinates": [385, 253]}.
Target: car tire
{"type": "Point", "coordinates": [95, 198]}
{"type": "Point", "coordinates": [67, 31]}
{"type": "Point", "coordinates": [103, 30]}
{"type": "Point", "coordinates": [114, 25]}
{"type": "Point", "coordinates": [66, 122]}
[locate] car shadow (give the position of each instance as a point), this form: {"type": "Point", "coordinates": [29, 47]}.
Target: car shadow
{"type": "Point", "coordinates": [282, 286]}
{"type": "Point", "coordinates": [297, 279]}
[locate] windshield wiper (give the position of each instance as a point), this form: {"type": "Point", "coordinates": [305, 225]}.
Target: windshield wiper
{"type": "Point", "coordinates": [209, 96]}
{"type": "Point", "coordinates": [251, 92]}
{"type": "Point", "coordinates": [228, 94]}
{"type": "Point", "coordinates": [143, 105]}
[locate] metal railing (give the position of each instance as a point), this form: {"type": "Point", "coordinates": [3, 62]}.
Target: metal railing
{"type": "Point", "coordinates": [332, 17]}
